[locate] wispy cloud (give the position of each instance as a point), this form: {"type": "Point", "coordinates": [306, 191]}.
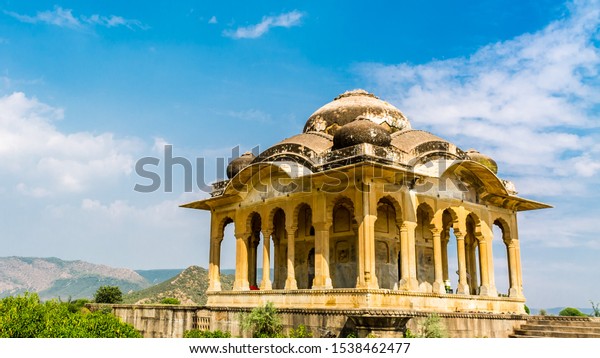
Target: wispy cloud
{"type": "Point", "coordinates": [64, 18]}
{"type": "Point", "coordinates": [288, 19]}
{"type": "Point", "coordinates": [532, 103]}
{"type": "Point", "coordinates": [213, 20]}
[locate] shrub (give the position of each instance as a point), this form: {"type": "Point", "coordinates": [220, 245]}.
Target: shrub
{"type": "Point", "coordinates": [527, 310]}
{"type": "Point", "coordinates": [570, 311]}
{"type": "Point", "coordinates": [196, 333]}
{"type": "Point", "coordinates": [433, 327]}
{"type": "Point", "coordinates": [543, 312]}
{"type": "Point", "coordinates": [26, 317]}
{"type": "Point", "coordinates": [300, 332]}
{"type": "Point", "coordinates": [170, 301]}
{"type": "Point", "coordinates": [108, 294]}
{"type": "Point", "coordinates": [264, 322]}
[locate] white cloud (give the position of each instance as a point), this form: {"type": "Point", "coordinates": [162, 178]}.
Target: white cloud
{"type": "Point", "coordinates": [530, 102]}
{"type": "Point", "coordinates": [64, 18]}
{"type": "Point", "coordinates": [213, 20]}
{"type": "Point", "coordinates": [254, 31]}
{"type": "Point", "coordinates": [41, 160]}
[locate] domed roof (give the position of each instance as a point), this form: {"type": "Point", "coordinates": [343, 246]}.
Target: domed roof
{"type": "Point", "coordinates": [483, 160]}
{"type": "Point", "coordinates": [350, 105]}
{"type": "Point", "coordinates": [239, 163]}
{"type": "Point", "coordinates": [361, 130]}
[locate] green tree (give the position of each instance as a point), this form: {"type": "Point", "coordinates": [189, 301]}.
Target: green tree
{"type": "Point", "coordinates": [170, 301]}
{"type": "Point", "coordinates": [570, 311]}
{"type": "Point", "coordinates": [264, 322]}
{"type": "Point", "coordinates": [108, 294]}
{"type": "Point", "coordinates": [26, 317]}
{"type": "Point", "coordinates": [595, 309]}
{"type": "Point", "coordinates": [196, 333]}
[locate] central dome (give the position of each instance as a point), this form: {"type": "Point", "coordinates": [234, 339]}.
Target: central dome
{"type": "Point", "coordinates": [350, 105]}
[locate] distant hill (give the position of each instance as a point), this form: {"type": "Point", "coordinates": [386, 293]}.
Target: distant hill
{"type": "Point", "coordinates": [555, 310]}
{"type": "Point", "coordinates": [53, 277]}
{"type": "Point", "coordinates": [157, 276]}
{"type": "Point", "coordinates": [188, 287]}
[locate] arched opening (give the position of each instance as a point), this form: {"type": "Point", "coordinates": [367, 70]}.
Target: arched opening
{"type": "Point", "coordinates": [304, 247]}
{"type": "Point", "coordinates": [227, 262]}
{"type": "Point", "coordinates": [387, 242]}
{"type": "Point", "coordinates": [343, 242]}
{"type": "Point", "coordinates": [279, 250]}
{"type": "Point", "coordinates": [254, 254]}
{"type": "Point", "coordinates": [449, 251]}
{"type": "Point", "coordinates": [501, 264]}
{"type": "Point", "coordinates": [424, 248]}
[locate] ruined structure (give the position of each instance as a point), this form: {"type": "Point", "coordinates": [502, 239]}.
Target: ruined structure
{"type": "Point", "coordinates": [362, 213]}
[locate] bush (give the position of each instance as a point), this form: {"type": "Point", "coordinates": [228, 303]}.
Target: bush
{"type": "Point", "coordinates": [170, 301]}
{"type": "Point", "coordinates": [570, 311]}
{"type": "Point", "coordinates": [196, 333]}
{"type": "Point", "coordinates": [527, 310]}
{"type": "Point", "coordinates": [108, 294]}
{"type": "Point", "coordinates": [26, 317]}
{"type": "Point", "coordinates": [433, 327]}
{"type": "Point", "coordinates": [543, 312]}
{"type": "Point", "coordinates": [264, 322]}
{"type": "Point", "coordinates": [300, 332]}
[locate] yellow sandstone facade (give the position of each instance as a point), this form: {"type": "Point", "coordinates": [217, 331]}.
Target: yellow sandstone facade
{"type": "Point", "coordinates": [362, 212]}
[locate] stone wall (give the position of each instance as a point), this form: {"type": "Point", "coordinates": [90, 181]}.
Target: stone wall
{"type": "Point", "coordinates": [168, 321]}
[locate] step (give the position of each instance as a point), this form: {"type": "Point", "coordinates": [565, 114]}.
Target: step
{"type": "Point", "coordinates": [553, 334]}
{"type": "Point", "coordinates": [558, 328]}
{"type": "Point", "coordinates": [584, 321]}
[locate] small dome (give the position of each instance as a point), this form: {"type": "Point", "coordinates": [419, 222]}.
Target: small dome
{"type": "Point", "coordinates": [350, 105]}
{"type": "Point", "coordinates": [361, 130]}
{"type": "Point", "coordinates": [483, 160]}
{"type": "Point", "coordinates": [239, 163]}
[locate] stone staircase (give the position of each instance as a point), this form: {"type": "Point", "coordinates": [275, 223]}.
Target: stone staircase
{"type": "Point", "coordinates": [558, 327]}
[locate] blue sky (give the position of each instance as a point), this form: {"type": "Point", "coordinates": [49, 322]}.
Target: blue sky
{"type": "Point", "coordinates": [87, 88]}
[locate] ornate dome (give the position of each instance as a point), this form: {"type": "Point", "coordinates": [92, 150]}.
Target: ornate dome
{"type": "Point", "coordinates": [361, 130]}
{"type": "Point", "coordinates": [350, 105]}
{"type": "Point", "coordinates": [239, 163]}
{"type": "Point", "coordinates": [483, 160]}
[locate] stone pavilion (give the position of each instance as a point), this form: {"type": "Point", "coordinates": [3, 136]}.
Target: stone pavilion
{"type": "Point", "coordinates": [362, 212]}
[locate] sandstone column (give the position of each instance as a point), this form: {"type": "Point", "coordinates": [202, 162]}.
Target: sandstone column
{"type": "Point", "coordinates": [266, 283]}
{"type": "Point", "coordinates": [367, 277]}
{"type": "Point", "coordinates": [321, 222]}
{"type": "Point", "coordinates": [290, 282]}
{"type": "Point", "coordinates": [408, 261]}
{"type": "Point", "coordinates": [438, 283]}
{"type": "Point", "coordinates": [463, 286]}
{"type": "Point", "coordinates": [241, 263]}
{"type": "Point", "coordinates": [214, 283]}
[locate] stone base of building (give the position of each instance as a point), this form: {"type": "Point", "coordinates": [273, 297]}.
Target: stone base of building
{"type": "Point", "coordinates": [167, 321]}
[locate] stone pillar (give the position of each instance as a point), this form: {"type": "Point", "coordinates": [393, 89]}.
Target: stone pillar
{"type": "Point", "coordinates": [486, 288]}
{"type": "Point", "coordinates": [266, 283]}
{"type": "Point", "coordinates": [241, 263]}
{"type": "Point", "coordinates": [438, 283]}
{"type": "Point", "coordinates": [290, 282]}
{"type": "Point", "coordinates": [214, 283]}
{"type": "Point", "coordinates": [367, 277]}
{"type": "Point", "coordinates": [514, 290]}
{"type": "Point", "coordinates": [322, 279]}
{"type": "Point", "coordinates": [445, 238]}
{"type": "Point", "coordinates": [463, 286]}
{"type": "Point", "coordinates": [408, 260]}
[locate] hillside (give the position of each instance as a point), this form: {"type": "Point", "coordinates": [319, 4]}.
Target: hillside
{"type": "Point", "coordinates": [53, 277]}
{"type": "Point", "coordinates": [188, 287]}
{"type": "Point", "coordinates": [159, 275]}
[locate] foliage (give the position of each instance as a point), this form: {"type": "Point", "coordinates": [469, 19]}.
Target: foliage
{"type": "Point", "coordinates": [527, 310]}
{"type": "Point", "coordinates": [595, 309]}
{"type": "Point", "coordinates": [570, 311]}
{"type": "Point", "coordinates": [543, 312]}
{"type": "Point", "coordinates": [431, 327]}
{"type": "Point", "coordinates": [26, 317]}
{"type": "Point", "coordinates": [264, 322]}
{"type": "Point", "coordinates": [301, 332]}
{"type": "Point", "coordinates": [196, 333]}
{"type": "Point", "coordinates": [108, 294]}
{"type": "Point", "coordinates": [170, 301]}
